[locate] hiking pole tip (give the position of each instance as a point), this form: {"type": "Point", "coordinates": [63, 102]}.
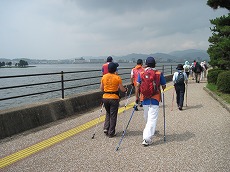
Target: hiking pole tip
{"type": "Point", "coordinates": [93, 136]}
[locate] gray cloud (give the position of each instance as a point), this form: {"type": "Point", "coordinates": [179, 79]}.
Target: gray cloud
{"type": "Point", "coordinates": [57, 29]}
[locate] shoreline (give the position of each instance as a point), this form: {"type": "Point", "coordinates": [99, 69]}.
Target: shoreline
{"type": "Point", "coordinates": [16, 67]}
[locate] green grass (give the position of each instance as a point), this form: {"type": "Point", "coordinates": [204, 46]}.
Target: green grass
{"type": "Point", "coordinates": [224, 96]}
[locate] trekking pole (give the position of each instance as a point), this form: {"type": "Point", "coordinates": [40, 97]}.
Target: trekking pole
{"type": "Point", "coordinates": [186, 94]}
{"type": "Point", "coordinates": [125, 129]}
{"type": "Point", "coordinates": [172, 100]}
{"type": "Point", "coordinates": [127, 99]}
{"type": "Point", "coordinates": [98, 121]}
{"type": "Point", "coordinates": [163, 97]}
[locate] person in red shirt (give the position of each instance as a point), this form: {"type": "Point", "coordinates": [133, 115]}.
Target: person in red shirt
{"type": "Point", "coordinates": [134, 75]}
{"type": "Point", "coordinates": [104, 69]}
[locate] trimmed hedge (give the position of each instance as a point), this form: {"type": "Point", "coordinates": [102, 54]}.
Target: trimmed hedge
{"type": "Point", "coordinates": [213, 75]}
{"type": "Point", "coordinates": [223, 82]}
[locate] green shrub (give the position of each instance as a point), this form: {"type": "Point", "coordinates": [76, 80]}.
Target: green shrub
{"type": "Point", "coordinates": [213, 74]}
{"type": "Point", "coordinates": [223, 82]}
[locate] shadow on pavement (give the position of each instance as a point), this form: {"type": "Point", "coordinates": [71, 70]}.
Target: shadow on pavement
{"type": "Point", "coordinates": [173, 138]}
{"type": "Point", "coordinates": [193, 107]}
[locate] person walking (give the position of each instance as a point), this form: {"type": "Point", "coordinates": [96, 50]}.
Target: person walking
{"type": "Point", "coordinates": [205, 69]}
{"type": "Point", "coordinates": [198, 69]}
{"type": "Point", "coordinates": [134, 75]}
{"type": "Point", "coordinates": [150, 100]}
{"type": "Point", "coordinates": [187, 68]}
{"type": "Point", "coordinates": [193, 68]}
{"type": "Point", "coordinates": [110, 85]}
{"type": "Point", "coordinates": [104, 69]}
{"type": "Point", "coordinates": [179, 80]}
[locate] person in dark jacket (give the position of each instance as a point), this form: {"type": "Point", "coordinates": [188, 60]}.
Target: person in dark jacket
{"type": "Point", "coordinates": [197, 70]}
{"type": "Point", "coordinates": [180, 86]}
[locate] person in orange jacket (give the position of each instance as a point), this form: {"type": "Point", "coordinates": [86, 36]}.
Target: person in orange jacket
{"type": "Point", "coordinates": [134, 75]}
{"type": "Point", "coordinates": [111, 83]}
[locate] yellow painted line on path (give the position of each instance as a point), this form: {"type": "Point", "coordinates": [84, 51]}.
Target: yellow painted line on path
{"type": "Point", "coordinates": [10, 159]}
{"type": "Point", "coordinates": [168, 88]}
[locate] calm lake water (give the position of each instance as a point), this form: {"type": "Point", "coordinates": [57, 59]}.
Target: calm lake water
{"type": "Point", "coordinates": [51, 68]}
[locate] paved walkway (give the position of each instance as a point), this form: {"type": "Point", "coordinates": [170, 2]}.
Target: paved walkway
{"type": "Point", "coordinates": [197, 139]}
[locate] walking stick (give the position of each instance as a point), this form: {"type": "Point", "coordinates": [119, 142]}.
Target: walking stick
{"type": "Point", "coordinates": [98, 121]}
{"type": "Point", "coordinates": [186, 94]}
{"type": "Point", "coordinates": [125, 129]}
{"type": "Point", "coordinates": [127, 99]}
{"type": "Point", "coordinates": [164, 113]}
{"type": "Point", "coordinates": [173, 99]}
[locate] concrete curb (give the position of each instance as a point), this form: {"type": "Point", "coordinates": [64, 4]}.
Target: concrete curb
{"type": "Point", "coordinates": [219, 99]}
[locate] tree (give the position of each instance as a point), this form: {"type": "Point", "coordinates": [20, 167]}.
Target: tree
{"type": "Point", "coordinates": [8, 63]}
{"type": "Point", "coordinates": [2, 64]}
{"type": "Point", "coordinates": [219, 50]}
{"type": "Point", "coordinates": [22, 63]}
{"type": "Point", "coordinates": [215, 4]}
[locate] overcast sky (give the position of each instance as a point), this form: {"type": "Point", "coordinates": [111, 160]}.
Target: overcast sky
{"type": "Point", "coordinates": [61, 29]}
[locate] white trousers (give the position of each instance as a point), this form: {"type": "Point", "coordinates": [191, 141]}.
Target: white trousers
{"type": "Point", "coordinates": [150, 116]}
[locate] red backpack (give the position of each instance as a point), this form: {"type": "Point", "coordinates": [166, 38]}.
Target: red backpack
{"type": "Point", "coordinates": [150, 83]}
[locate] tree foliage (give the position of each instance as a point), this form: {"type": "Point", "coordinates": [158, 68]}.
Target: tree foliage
{"type": "Point", "coordinates": [219, 50]}
{"type": "Point", "coordinates": [22, 63]}
{"type": "Point", "coordinates": [215, 4]}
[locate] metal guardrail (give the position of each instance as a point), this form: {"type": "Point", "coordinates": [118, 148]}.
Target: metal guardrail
{"type": "Point", "coordinates": [124, 73]}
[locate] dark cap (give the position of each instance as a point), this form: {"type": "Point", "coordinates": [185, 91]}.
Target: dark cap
{"type": "Point", "coordinates": [109, 59]}
{"type": "Point", "coordinates": [139, 61]}
{"type": "Point", "coordinates": [150, 60]}
{"type": "Point", "coordinates": [112, 67]}
{"type": "Point", "coordinates": [179, 67]}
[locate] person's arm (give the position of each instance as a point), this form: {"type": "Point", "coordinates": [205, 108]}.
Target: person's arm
{"type": "Point", "coordinates": [122, 88]}
{"type": "Point", "coordinates": [137, 88]}
{"type": "Point", "coordinates": [162, 81]}
{"type": "Point", "coordinates": [131, 77]}
{"type": "Point", "coordinates": [185, 78]}
{"type": "Point", "coordinates": [102, 87]}
{"type": "Point", "coordinates": [174, 78]}
{"type": "Point", "coordinates": [102, 70]}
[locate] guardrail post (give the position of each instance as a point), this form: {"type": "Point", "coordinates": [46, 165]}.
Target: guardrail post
{"type": "Point", "coordinates": [171, 70]}
{"type": "Point", "coordinates": [163, 69]}
{"type": "Point", "coordinates": [62, 85]}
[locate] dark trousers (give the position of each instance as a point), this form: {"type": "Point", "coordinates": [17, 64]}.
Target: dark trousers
{"type": "Point", "coordinates": [180, 89]}
{"type": "Point", "coordinates": [111, 107]}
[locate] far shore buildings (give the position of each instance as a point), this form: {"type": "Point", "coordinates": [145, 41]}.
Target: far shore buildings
{"type": "Point", "coordinates": [82, 60]}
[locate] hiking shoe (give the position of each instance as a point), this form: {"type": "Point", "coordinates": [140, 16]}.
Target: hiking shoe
{"type": "Point", "coordinates": [180, 108]}
{"type": "Point", "coordinates": [141, 105]}
{"type": "Point", "coordinates": [106, 132]}
{"type": "Point", "coordinates": [145, 143]}
{"type": "Point", "coordinates": [112, 135]}
{"type": "Point", "coordinates": [135, 108]}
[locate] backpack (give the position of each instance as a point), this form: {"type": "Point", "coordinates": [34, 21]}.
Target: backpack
{"type": "Point", "coordinates": [180, 78]}
{"type": "Point", "coordinates": [186, 68]}
{"type": "Point", "coordinates": [197, 69]}
{"type": "Point", "coordinates": [149, 83]}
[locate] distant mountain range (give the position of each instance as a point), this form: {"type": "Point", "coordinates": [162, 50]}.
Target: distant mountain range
{"type": "Point", "coordinates": [175, 56]}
